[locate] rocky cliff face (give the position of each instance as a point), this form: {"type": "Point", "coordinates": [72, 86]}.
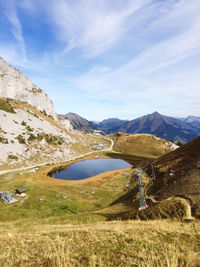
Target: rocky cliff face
{"type": "Point", "coordinates": [14, 84]}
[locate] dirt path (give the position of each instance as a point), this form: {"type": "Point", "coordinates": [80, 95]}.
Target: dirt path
{"type": "Point", "coordinates": [45, 163]}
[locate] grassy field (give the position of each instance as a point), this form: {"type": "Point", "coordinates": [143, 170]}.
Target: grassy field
{"type": "Point", "coordinates": [130, 243]}
{"type": "Point", "coordinates": [143, 145]}
{"type": "Point", "coordinates": [51, 198]}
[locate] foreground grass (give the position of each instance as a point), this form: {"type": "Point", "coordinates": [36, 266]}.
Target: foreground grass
{"type": "Point", "coordinates": [130, 243]}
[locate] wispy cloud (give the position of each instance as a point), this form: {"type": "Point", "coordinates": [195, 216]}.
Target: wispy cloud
{"type": "Point", "coordinates": [10, 12]}
{"type": "Point", "coordinates": [92, 25]}
{"type": "Point", "coordinates": [125, 57]}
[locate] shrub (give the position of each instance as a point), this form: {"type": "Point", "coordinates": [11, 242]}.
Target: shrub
{"type": "Point", "coordinates": [6, 106]}
{"type": "Point", "coordinates": [28, 128]}
{"type": "Point", "coordinates": [31, 137]}
{"type": "Point", "coordinates": [23, 123]}
{"type": "Point", "coordinates": [12, 157]}
{"type": "Point", "coordinates": [21, 139]}
{"type": "Point", "coordinates": [3, 140]}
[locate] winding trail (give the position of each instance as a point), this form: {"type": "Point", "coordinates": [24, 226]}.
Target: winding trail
{"type": "Point", "coordinates": [45, 163]}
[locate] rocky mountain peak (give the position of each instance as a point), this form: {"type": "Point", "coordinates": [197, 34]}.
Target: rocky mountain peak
{"type": "Point", "coordinates": [14, 84]}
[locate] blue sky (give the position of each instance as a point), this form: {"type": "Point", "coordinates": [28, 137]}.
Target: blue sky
{"type": "Point", "coordinates": [107, 58]}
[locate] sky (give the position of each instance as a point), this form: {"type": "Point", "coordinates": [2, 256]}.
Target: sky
{"type": "Point", "coordinates": [107, 58]}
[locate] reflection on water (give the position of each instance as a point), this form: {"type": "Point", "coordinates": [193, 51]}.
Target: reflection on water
{"type": "Point", "coordinates": [91, 167]}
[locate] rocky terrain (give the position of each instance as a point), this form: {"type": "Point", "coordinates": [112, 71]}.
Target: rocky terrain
{"type": "Point", "coordinates": [15, 85]}
{"type": "Point", "coordinates": [30, 130]}
{"type": "Point", "coordinates": [28, 136]}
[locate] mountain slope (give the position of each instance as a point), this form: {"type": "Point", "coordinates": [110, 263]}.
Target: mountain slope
{"type": "Point", "coordinates": [79, 123]}
{"type": "Point", "coordinates": [111, 125]}
{"type": "Point", "coordinates": [178, 173]}
{"type": "Point", "coordinates": [173, 193]}
{"type": "Point", "coordinates": [190, 119]}
{"type": "Point", "coordinates": [163, 126]}
{"type": "Point", "coordinates": [15, 85]}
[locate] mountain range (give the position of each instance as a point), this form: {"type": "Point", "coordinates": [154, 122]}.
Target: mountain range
{"type": "Point", "coordinates": [178, 130]}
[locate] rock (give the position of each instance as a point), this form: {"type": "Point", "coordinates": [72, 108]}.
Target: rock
{"type": "Point", "coordinates": [15, 85]}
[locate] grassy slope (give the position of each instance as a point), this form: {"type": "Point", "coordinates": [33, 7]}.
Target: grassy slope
{"type": "Point", "coordinates": [70, 199]}
{"type": "Point", "coordinates": [140, 145]}
{"type": "Point", "coordinates": [132, 243]}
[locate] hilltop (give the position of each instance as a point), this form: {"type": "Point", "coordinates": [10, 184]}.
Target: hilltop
{"type": "Point", "coordinates": [145, 145]}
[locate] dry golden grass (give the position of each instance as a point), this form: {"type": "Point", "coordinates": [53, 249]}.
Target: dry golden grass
{"type": "Point", "coordinates": [140, 145]}
{"type": "Point", "coordinates": [131, 243]}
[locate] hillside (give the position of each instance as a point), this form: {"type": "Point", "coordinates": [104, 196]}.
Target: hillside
{"type": "Point", "coordinates": [174, 192]}
{"type": "Point", "coordinates": [178, 174]}
{"type": "Point", "coordinates": [15, 85]}
{"type": "Point", "coordinates": [28, 136]}
{"type": "Point", "coordinates": [79, 123]}
{"type": "Point", "coordinates": [145, 145]}
{"type": "Point", "coordinates": [110, 125]}
{"type": "Point", "coordinates": [191, 119]}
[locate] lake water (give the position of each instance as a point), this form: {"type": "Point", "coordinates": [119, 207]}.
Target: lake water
{"type": "Point", "coordinates": [91, 167]}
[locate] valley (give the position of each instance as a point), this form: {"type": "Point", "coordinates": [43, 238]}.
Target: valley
{"type": "Point", "coordinates": [103, 210]}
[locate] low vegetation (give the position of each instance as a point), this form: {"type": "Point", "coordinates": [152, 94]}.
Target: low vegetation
{"type": "Point", "coordinates": [3, 140]}
{"type": "Point", "coordinates": [6, 106]}
{"type": "Point", "coordinates": [132, 243]}
{"type": "Point", "coordinates": [140, 145]}
{"type": "Point", "coordinates": [21, 139]}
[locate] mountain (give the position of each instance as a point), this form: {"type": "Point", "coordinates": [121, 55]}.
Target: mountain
{"type": "Point", "coordinates": [178, 130]}
{"type": "Point", "coordinates": [191, 119]}
{"type": "Point", "coordinates": [15, 85]}
{"type": "Point", "coordinates": [163, 126]}
{"type": "Point", "coordinates": [79, 123]}
{"type": "Point", "coordinates": [111, 125]}
{"type": "Point", "coordinates": [30, 130]}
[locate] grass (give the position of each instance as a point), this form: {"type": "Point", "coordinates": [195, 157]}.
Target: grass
{"type": "Point", "coordinates": [49, 197]}
{"type": "Point", "coordinates": [132, 243]}
{"type": "Point", "coordinates": [62, 223]}
{"type": "Point", "coordinates": [140, 145]}
{"type": "Point", "coordinates": [6, 106]}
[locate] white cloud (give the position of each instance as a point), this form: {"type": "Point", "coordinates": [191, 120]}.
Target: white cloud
{"type": "Point", "coordinates": [92, 25]}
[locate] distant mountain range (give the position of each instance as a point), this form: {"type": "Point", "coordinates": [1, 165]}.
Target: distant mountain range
{"type": "Point", "coordinates": [178, 130]}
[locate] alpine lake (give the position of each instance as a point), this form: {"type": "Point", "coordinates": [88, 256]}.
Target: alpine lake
{"type": "Point", "coordinates": [88, 168]}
